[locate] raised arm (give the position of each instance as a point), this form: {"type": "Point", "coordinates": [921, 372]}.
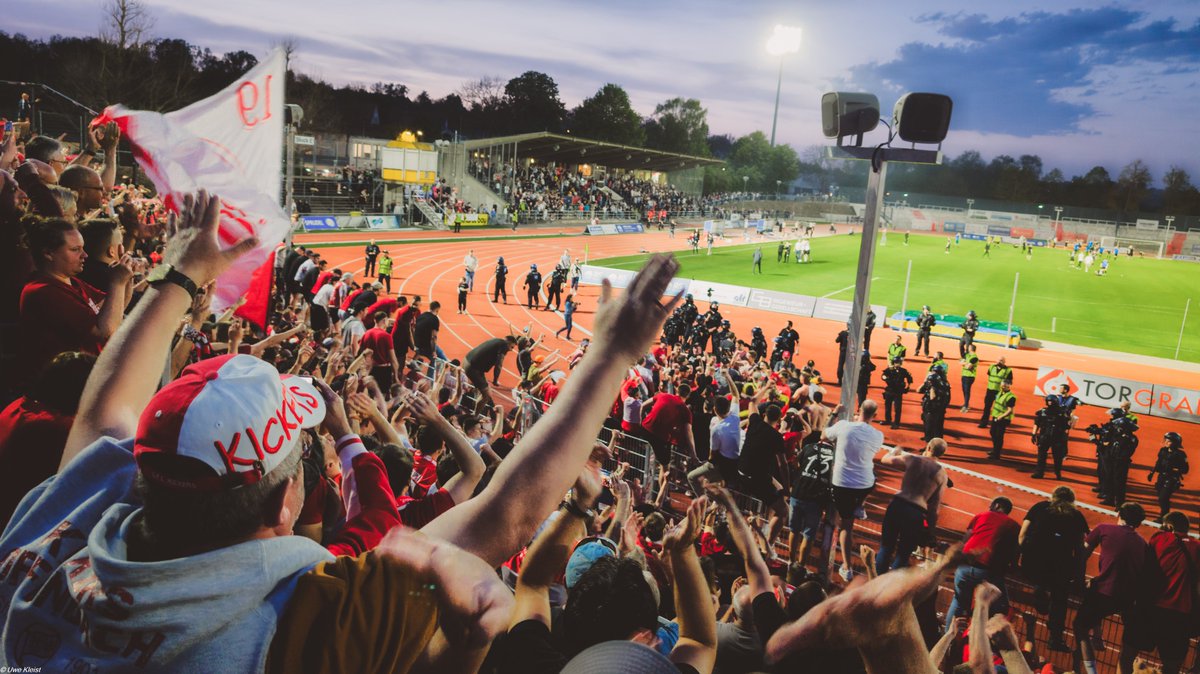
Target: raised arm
{"type": "Point", "coordinates": [129, 369]}
{"type": "Point", "coordinates": [531, 481]}
{"type": "Point", "coordinates": [757, 572]}
{"type": "Point", "coordinates": [697, 645]}
{"type": "Point", "coordinates": [470, 465]}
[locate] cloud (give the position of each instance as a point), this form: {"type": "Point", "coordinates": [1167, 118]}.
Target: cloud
{"type": "Point", "coordinates": [1033, 74]}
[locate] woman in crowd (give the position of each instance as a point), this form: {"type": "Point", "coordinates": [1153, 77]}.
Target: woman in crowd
{"type": "Point", "coordinates": [58, 312]}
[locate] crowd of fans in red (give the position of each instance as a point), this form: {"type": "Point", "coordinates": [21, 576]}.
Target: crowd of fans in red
{"type": "Point", "coordinates": [187, 491]}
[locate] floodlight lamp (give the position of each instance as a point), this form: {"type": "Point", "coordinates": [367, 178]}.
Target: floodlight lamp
{"type": "Point", "coordinates": [785, 40]}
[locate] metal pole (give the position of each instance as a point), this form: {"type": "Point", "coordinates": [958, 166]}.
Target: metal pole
{"type": "Point", "coordinates": [1012, 306]}
{"type": "Point", "coordinates": [904, 302]}
{"type": "Point", "coordinates": [1182, 325]}
{"type": "Point", "coordinates": [862, 288]}
{"type": "Point", "coordinates": [778, 87]}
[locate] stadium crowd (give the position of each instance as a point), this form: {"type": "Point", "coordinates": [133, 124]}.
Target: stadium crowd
{"type": "Point", "coordinates": [188, 491]}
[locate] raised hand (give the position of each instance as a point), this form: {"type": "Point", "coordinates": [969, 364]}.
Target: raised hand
{"type": "Point", "coordinates": [683, 535]}
{"type": "Point", "coordinates": [192, 246]}
{"type": "Point", "coordinates": [626, 326]}
{"type": "Point", "coordinates": [590, 482]}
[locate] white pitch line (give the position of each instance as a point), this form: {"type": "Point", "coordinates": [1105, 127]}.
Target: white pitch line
{"type": "Point", "coordinates": [849, 287]}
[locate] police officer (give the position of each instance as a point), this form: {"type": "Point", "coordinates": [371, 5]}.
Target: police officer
{"type": "Point", "coordinates": [779, 251]}
{"type": "Point", "coordinates": [998, 373]}
{"type": "Point", "coordinates": [935, 399]}
{"type": "Point", "coordinates": [712, 323]}
{"type": "Point", "coordinates": [896, 382]}
{"type": "Point", "coordinates": [1069, 403]}
{"type": "Point", "coordinates": [969, 328]}
{"type": "Point", "coordinates": [865, 368]}
{"type": "Point", "coordinates": [969, 363]}
{"type": "Point", "coordinates": [1115, 444]}
{"type": "Point", "coordinates": [791, 339]}
{"type": "Point", "coordinates": [726, 341]}
{"type": "Point", "coordinates": [673, 328]}
{"type": "Point", "coordinates": [689, 309]}
{"type": "Point", "coordinates": [843, 340]}
{"type": "Point", "coordinates": [554, 288]}
{"type": "Point", "coordinates": [897, 350]}
{"type": "Point", "coordinates": [533, 282]}
{"type": "Point", "coordinates": [1002, 411]}
{"type": "Point", "coordinates": [868, 328]}
{"type": "Point", "coordinates": [778, 351]}
{"type": "Point", "coordinates": [1049, 435]}
{"type": "Point", "coordinates": [371, 254]}
{"type": "Point", "coordinates": [758, 344]}
{"type": "Point", "coordinates": [1171, 466]}
{"type": "Point", "coordinates": [925, 323]}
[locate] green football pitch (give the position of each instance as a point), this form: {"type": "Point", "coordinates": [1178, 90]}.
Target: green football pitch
{"type": "Point", "coordinates": [1138, 307]}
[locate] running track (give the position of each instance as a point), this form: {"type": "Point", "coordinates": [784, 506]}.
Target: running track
{"type": "Point", "coordinates": [429, 264]}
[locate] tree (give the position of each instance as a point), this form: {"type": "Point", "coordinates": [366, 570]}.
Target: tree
{"type": "Point", "coordinates": [126, 23]}
{"type": "Point", "coordinates": [609, 116]}
{"type": "Point", "coordinates": [1179, 195]}
{"type": "Point", "coordinates": [1132, 186]}
{"type": "Point", "coordinates": [485, 93]}
{"type": "Point", "coordinates": [679, 125]}
{"type": "Point", "coordinates": [532, 103]}
{"type": "Point", "coordinates": [720, 146]}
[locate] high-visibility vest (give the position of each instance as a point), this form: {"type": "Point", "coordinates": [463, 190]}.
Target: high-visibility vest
{"type": "Point", "coordinates": [896, 350]}
{"type": "Point", "coordinates": [936, 363]}
{"type": "Point", "coordinates": [1001, 403]}
{"type": "Point", "coordinates": [971, 362]}
{"type": "Point", "coordinates": [997, 374]}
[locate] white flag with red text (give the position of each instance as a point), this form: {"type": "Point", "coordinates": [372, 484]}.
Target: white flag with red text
{"type": "Point", "coordinates": [230, 144]}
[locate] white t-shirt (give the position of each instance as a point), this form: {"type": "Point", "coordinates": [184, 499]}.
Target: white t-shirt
{"type": "Point", "coordinates": [725, 434]}
{"type": "Point", "coordinates": [854, 456]}
{"type": "Point", "coordinates": [631, 411]}
{"type": "Point", "coordinates": [324, 295]}
{"type": "Point", "coordinates": [470, 262]}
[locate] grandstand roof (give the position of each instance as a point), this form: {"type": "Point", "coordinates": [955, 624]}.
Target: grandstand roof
{"type": "Point", "coordinates": [552, 147]}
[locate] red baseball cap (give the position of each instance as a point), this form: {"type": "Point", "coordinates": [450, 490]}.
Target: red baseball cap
{"type": "Point", "coordinates": [224, 423]}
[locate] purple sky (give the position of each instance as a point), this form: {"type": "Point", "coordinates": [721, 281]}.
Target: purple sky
{"type": "Point", "coordinates": [1078, 83]}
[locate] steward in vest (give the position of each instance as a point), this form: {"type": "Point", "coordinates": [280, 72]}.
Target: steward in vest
{"type": "Point", "coordinates": [1001, 414]}
{"type": "Point", "coordinates": [970, 363]}
{"type": "Point", "coordinates": [997, 374]}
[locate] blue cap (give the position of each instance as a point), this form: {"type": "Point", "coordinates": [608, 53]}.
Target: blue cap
{"type": "Point", "coordinates": [583, 557]}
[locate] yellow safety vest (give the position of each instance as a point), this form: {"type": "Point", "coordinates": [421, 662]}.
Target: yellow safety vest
{"type": "Point", "coordinates": [968, 368]}
{"type": "Point", "coordinates": [1001, 404]}
{"type": "Point", "coordinates": [998, 374]}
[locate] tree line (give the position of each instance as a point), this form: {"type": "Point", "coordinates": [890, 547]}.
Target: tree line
{"type": "Point", "coordinates": [123, 65]}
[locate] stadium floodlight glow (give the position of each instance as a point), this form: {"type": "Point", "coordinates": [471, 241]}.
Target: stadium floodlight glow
{"type": "Point", "coordinates": [785, 40]}
{"type": "Point", "coordinates": [848, 114]}
{"type": "Point", "coordinates": [922, 118]}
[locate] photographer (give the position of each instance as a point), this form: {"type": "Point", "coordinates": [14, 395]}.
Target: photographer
{"type": "Point", "coordinates": [1049, 434]}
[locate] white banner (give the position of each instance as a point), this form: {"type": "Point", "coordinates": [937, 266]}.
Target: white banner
{"type": "Point", "coordinates": [1147, 224]}
{"type": "Point", "coordinates": [1103, 391]}
{"type": "Point", "coordinates": [708, 291]}
{"type": "Point", "coordinates": [230, 144]}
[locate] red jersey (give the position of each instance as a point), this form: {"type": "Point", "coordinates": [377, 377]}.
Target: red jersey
{"type": "Point", "coordinates": [57, 317]}
{"type": "Point", "coordinates": [380, 343]}
{"type": "Point", "coordinates": [385, 304]}
{"type": "Point", "coordinates": [1179, 559]}
{"type": "Point", "coordinates": [32, 438]}
{"type": "Point", "coordinates": [669, 418]}
{"type": "Point", "coordinates": [993, 540]}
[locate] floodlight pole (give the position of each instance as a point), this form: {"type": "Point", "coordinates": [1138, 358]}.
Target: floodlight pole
{"type": "Point", "coordinates": [778, 88]}
{"type": "Point", "coordinates": [866, 252]}
{"type": "Point", "coordinates": [1012, 307]}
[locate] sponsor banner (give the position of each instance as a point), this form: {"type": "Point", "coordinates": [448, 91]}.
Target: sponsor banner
{"type": "Point", "coordinates": [708, 225]}
{"type": "Point", "coordinates": [1022, 231]}
{"type": "Point", "coordinates": [630, 228]}
{"type": "Point", "coordinates": [383, 222]}
{"type": "Point", "coordinates": [1186, 258]}
{"type": "Point", "coordinates": [468, 219]}
{"type": "Point", "coordinates": [304, 140]}
{"type": "Point", "coordinates": [839, 310]}
{"type": "Point", "coordinates": [999, 230]}
{"type": "Point", "coordinates": [759, 225]}
{"type": "Point", "coordinates": [784, 303]}
{"type": "Point", "coordinates": [319, 222]}
{"type": "Point", "coordinates": [709, 291]}
{"type": "Point", "coordinates": [973, 228]}
{"type": "Point", "coordinates": [1144, 398]}
{"type": "Point", "coordinates": [976, 237]}
{"type": "Point", "coordinates": [1143, 223]}
{"type": "Point", "coordinates": [950, 226]}
{"type": "Point", "coordinates": [600, 230]}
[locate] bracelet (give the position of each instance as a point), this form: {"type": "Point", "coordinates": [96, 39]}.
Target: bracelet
{"type": "Point", "coordinates": [573, 508]}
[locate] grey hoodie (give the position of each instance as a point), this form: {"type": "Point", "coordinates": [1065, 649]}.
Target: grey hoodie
{"type": "Point", "coordinates": [72, 600]}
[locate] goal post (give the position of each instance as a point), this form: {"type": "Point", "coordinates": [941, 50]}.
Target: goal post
{"type": "Point", "coordinates": [1145, 247]}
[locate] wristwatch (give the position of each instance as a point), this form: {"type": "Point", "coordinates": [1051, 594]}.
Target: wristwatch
{"type": "Point", "coordinates": [575, 509]}
{"type": "Point", "coordinates": [165, 273]}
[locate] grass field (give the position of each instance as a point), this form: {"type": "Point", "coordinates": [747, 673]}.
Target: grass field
{"type": "Point", "coordinates": [1138, 307]}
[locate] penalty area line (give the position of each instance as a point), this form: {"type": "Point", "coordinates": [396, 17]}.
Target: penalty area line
{"type": "Point", "coordinates": [849, 287]}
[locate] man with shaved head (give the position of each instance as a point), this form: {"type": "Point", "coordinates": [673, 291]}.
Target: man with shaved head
{"type": "Point", "coordinates": [85, 182]}
{"type": "Point", "coordinates": [912, 514]}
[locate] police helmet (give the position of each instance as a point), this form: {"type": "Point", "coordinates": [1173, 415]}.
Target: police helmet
{"type": "Point", "coordinates": [1051, 400]}
{"type": "Point", "coordinates": [756, 330]}
{"type": "Point", "coordinates": [1173, 439]}
{"type": "Point", "coordinates": [1116, 413]}
{"type": "Point", "coordinates": [925, 308]}
{"type": "Point", "coordinates": [779, 340]}
{"type": "Point", "coordinates": [971, 314]}
{"type": "Point", "coordinates": [687, 297]}
{"type": "Point", "coordinates": [533, 267]}
{"type": "Point", "coordinates": [724, 324]}
{"type": "Point", "coordinates": [715, 305]}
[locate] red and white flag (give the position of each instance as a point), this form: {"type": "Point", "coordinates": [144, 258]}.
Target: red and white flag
{"type": "Point", "coordinates": [230, 144]}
